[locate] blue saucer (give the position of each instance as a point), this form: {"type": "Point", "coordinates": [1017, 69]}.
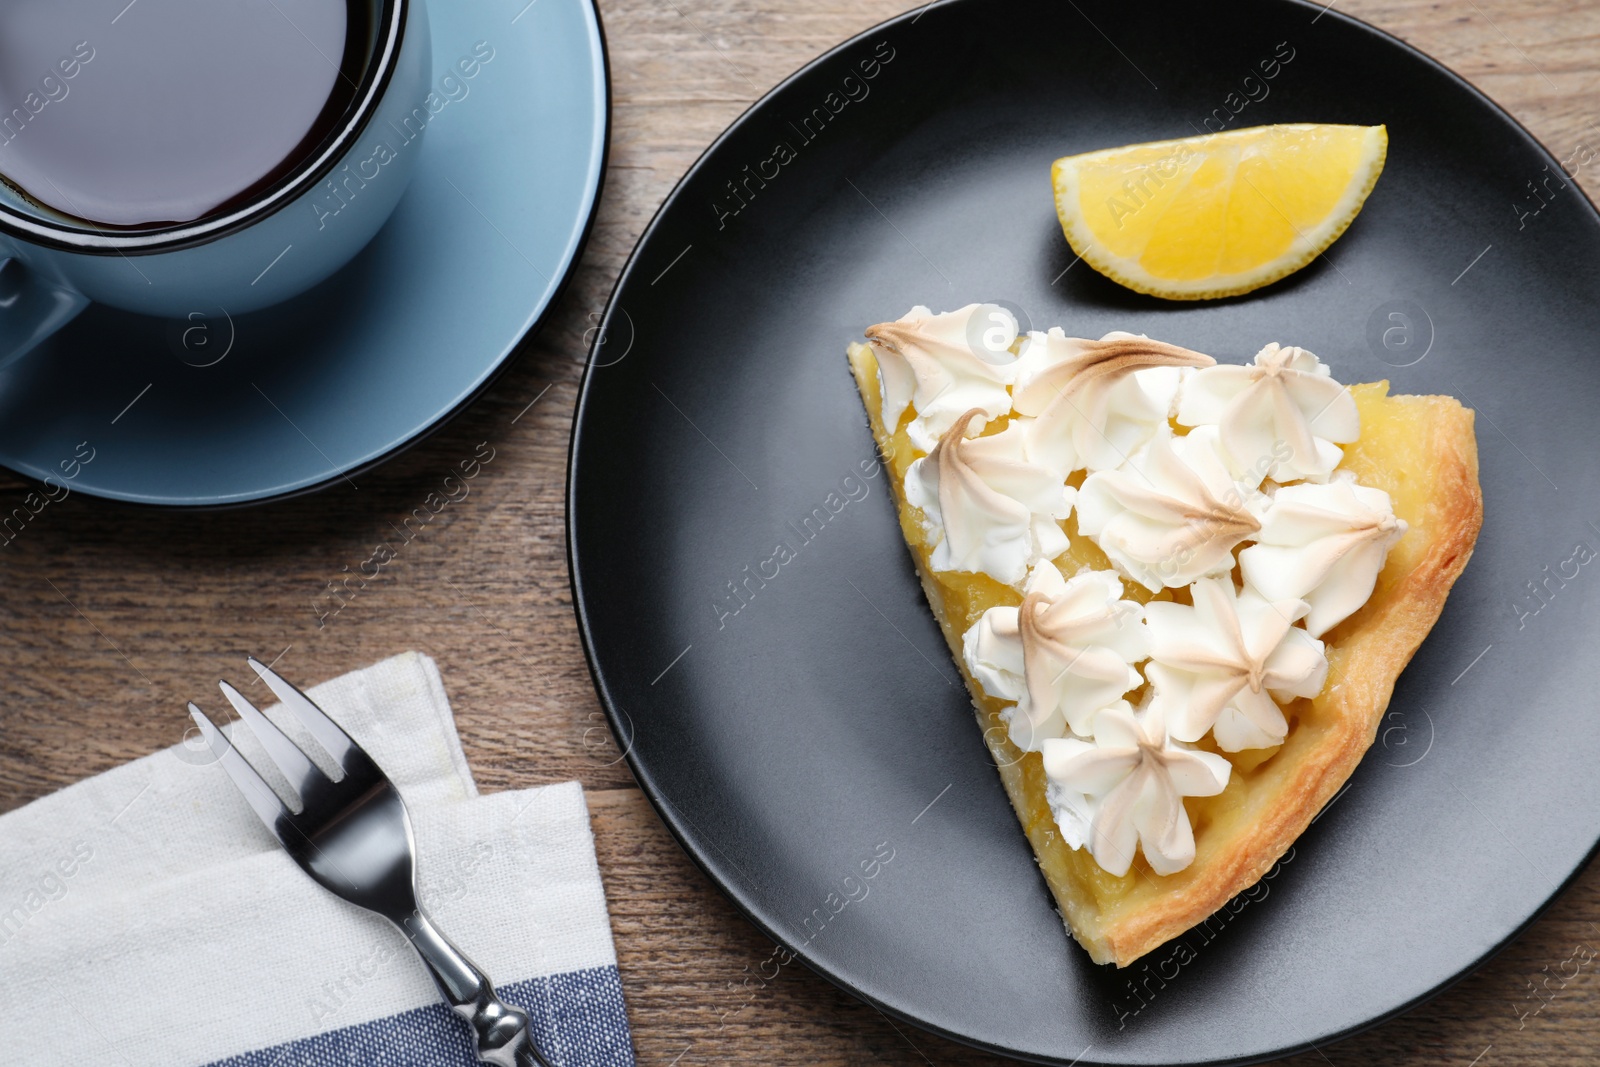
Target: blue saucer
{"type": "Point", "coordinates": [217, 410]}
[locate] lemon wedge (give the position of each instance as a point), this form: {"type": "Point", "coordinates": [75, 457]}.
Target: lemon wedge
{"type": "Point", "coordinates": [1220, 214]}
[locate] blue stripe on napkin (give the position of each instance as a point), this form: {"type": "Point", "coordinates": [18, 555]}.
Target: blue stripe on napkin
{"type": "Point", "coordinates": [578, 1020]}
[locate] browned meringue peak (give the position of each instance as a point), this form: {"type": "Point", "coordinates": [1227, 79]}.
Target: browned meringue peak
{"type": "Point", "coordinates": [1172, 514]}
{"type": "Point", "coordinates": [1226, 663]}
{"type": "Point", "coordinates": [991, 509]}
{"type": "Point", "coordinates": [1049, 631]}
{"type": "Point", "coordinates": [1066, 652]}
{"type": "Point", "coordinates": [1123, 791]}
{"type": "Point", "coordinates": [1095, 402]}
{"type": "Point", "coordinates": [929, 362]}
{"type": "Point", "coordinates": [1280, 415]}
{"type": "Point", "coordinates": [1324, 544]}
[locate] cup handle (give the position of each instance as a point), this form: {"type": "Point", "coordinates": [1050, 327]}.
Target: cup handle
{"type": "Point", "coordinates": [31, 309]}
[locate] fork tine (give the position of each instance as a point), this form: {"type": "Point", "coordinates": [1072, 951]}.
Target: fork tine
{"type": "Point", "coordinates": [299, 770]}
{"type": "Point", "coordinates": [334, 741]}
{"type": "Point", "coordinates": [255, 788]}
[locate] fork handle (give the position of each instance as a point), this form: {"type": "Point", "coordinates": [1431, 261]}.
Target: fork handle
{"type": "Point", "coordinates": [504, 1038]}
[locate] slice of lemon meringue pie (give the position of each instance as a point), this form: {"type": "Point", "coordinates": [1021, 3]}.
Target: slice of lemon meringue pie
{"type": "Point", "coordinates": [1180, 591]}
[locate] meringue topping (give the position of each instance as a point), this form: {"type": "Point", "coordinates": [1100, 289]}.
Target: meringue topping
{"type": "Point", "coordinates": [1324, 544]}
{"type": "Point", "coordinates": [1095, 402]}
{"type": "Point", "coordinates": [1130, 781]}
{"type": "Point", "coordinates": [1066, 652]}
{"type": "Point", "coordinates": [1279, 416]}
{"type": "Point", "coordinates": [1172, 513]}
{"type": "Point", "coordinates": [1226, 663]}
{"type": "Point", "coordinates": [1169, 512]}
{"type": "Point", "coordinates": [988, 508]}
{"type": "Point", "coordinates": [942, 365]}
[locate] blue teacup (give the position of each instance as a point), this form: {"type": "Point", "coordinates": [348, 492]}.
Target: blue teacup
{"type": "Point", "coordinates": [291, 236]}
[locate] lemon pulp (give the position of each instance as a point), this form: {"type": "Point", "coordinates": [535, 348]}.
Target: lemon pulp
{"type": "Point", "coordinates": [1220, 214]}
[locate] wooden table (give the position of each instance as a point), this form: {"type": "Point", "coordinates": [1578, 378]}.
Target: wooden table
{"type": "Point", "coordinates": [111, 616]}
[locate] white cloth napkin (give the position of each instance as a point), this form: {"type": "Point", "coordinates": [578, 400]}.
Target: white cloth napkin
{"type": "Point", "coordinates": [148, 918]}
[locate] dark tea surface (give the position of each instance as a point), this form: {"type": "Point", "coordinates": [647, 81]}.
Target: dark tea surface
{"type": "Point", "coordinates": [168, 111]}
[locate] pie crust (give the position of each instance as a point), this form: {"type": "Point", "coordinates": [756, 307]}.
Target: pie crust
{"type": "Point", "coordinates": [1421, 450]}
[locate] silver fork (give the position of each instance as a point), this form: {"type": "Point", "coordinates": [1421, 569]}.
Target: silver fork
{"type": "Point", "coordinates": [353, 836]}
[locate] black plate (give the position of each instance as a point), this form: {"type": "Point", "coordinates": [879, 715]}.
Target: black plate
{"type": "Point", "coordinates": [788, 742]}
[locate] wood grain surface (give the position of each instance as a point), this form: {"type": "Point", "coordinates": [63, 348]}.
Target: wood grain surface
{"type": "Point", "coordinates": [112, 616]}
